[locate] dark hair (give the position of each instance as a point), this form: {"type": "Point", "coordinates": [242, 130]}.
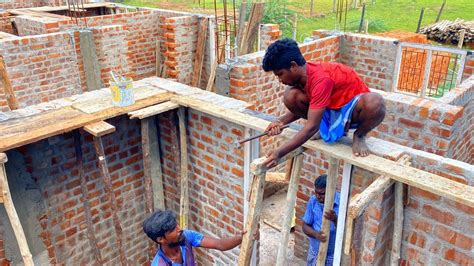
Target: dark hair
{"type": "Point", "coordinates": [159, 223]}
{"type": "Point", "coordinates": [320, 182]}
{"type": "Point", "coordinates": [280, 54]}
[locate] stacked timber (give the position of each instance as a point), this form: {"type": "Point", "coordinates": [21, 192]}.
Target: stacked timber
{"type": "Point", "coordinates": [450, 31]}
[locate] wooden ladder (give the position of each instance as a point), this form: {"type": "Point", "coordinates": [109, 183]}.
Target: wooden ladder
{"type": "Point", "coordinates": [6, 199]}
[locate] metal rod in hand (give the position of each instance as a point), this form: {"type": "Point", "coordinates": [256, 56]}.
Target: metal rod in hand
{"type": "Point", "coordinates": [259, 135]}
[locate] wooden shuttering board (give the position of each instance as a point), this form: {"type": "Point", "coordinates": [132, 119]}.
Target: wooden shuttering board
{"type": "Point", "coordinates": [22, 131]}
{"type": "Point", "coordinates": [153, 110]}
{"type": "Point", "coordinates": [99, 129]}
{"type": "Point", "coordinates": [408, 175]}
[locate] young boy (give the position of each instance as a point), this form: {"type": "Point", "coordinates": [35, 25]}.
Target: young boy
{"type": "Point", "coordinates": [312, 222]}
{"type": "Point", "coordinates": [330, 96]}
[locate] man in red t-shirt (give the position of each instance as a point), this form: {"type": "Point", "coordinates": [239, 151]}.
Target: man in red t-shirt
{"type": "Point", "coordinates": [331, 96]}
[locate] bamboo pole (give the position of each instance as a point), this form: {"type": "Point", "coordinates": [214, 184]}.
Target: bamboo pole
{"type": "Point", "coordinates": [255, 207]}
{"type": "Point", "coordinates": [290, 209]}
{"type": "Point", "coordinates": [328, 205]}
{"type": "Point", "coordinates": [7, 86]}
{"type": "Point", "coordinates": [184, 197]}
{"type": "Point", "coordinates": [99, 148]}
{"type": "Point", "coordinates": [85, 196]}
{"type": "Point", "coordinates": [13, 215]}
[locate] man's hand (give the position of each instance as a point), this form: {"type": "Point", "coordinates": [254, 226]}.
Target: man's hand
{"type": "Point", "coordinates": [321, 237]}
{"type": "Point", "coordinates": [331, 216]}
{"type": "Point", "coordinates": [272, 159]}
{"type": "Point", "coordinates": [274, 128]}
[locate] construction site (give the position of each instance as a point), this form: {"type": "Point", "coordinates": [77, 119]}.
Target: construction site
{"type": "Point", "coordinates": [79, 174]}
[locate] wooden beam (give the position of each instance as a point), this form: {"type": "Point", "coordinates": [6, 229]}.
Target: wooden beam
{"type": "Point", "coordinates": [290, 209]}
{"type": "Point", "coordinates": [276, 177]}
{"type": "Point", "coordinates": [99, 129]}
{"type": "Point", "coordinates": [153, 110]}
{"type": "Point", "coordinates": [254, 211]}
{"type": "Point", "coordinates": [7, 86]}
{"type": "Point", "coordinates": [328, 205]}
{"type": "Point", "coordinates": [199, 56]}
{"type": "Point", "coordinates": [184, 195]}
{"type": "Point", "coordinates": [13, 215]}
{"type": "Point", "coordinates": [257, 167]}
{"type": "Point", "coordinates": [107, 180]}
{"type": "Point", "coordinates": [398, 219]}
{"type": "Point", "coordinates": [26, 130]}
{"type": "Point", "coordinates": [342, 213]}
{"type": "Point", "coordinates": [271, 224]}
{"type": "Point", "coordinates": [85, 197]}
{"type": "Point", "coordinates": [438, 185]}
{"type": "Point", "coordinates": [154, 193]}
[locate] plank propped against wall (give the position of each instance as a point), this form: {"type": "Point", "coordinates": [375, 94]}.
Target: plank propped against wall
{"type": "Point", "coordinates": [7, 86]}
{"type": "Point", "coordinates": [98, 130]}
{"type": "Point", "coordinates": [12, 214]}
{"type": "Point", "coordinates": [184, 195]}
{"type": "Point", "coordinates": [200, 51]}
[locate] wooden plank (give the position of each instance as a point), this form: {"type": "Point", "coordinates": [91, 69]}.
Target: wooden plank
{"type": "Point", "coordinates": [397, 225]}
{"type": "Point", "coordinates": [290, 209]}
{"type": "Point", "coordinates": [328, 205]}
{"type": "Point", "coordinates": [250, 30]}
{"type": "Point", "coordinates": [184, 195]}
{"type": "Point", "coordinates": [99, 129]}
{"type": "Point", "coordinates": [199, 56]}
{"type": "Point", "coordinates": [31, 129]}
{"type": "Point", "coordinates": [86, 197]}
{"type": "Point", "coordinates": [7, 86]}
{"type": "Point", "coordinates": [153, 110]}
{"type": "Point", "coordinates": [438, 185]}
{"type": "Point", "coordinates": [107, 181]}
{"type": "Point", "coordinates": [373, 191]}
{"type": "Point", "coordinates": [398, 219]}
{"type": "Point", "coordinates": [154, 193]}
{"type": "Point", "coordinates": [254, 211]}
{"type": "Point", "coordinates": [276, 177]}
{"type": "Point", "coordinates": [342, 214]}
{"type": "Point", "coordinates": [257, 167]}
{"type": "Point", "coordinates": [13, 217]}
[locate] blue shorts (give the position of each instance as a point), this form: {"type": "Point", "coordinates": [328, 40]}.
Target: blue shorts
{"type": "Point", "coordinates": [333, 123]}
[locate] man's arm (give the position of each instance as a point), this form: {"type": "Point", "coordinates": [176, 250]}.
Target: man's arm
{"type": "Point", "coordinates": [309, 231]}
{"type": "Point", "coordinates": [309, 129]}
{"type": "Point", "coordinates": [222, 244]}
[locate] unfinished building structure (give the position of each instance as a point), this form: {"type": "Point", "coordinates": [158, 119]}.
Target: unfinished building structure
{"type": "Point", "coordinates": [83, 174]}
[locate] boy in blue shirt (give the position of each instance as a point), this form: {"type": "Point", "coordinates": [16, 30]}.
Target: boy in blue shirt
{"type": "Point", "coordinates": [312, 222]}
{"type": "Point", "coordinates": [176, 245]}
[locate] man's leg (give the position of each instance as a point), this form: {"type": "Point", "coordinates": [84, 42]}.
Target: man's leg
{"type": "Point", "coordinates": [297, 102]}
{"type": "Point", "coordinates": [368, 113]}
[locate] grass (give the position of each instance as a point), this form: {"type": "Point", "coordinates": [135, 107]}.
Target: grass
{"type": "Point", "coordinates": [385, 15]}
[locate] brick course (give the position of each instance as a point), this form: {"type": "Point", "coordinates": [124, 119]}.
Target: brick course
{"type": "Point", "coordinates": [41, 68]}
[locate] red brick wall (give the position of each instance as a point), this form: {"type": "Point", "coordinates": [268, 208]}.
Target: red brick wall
{"type": "Point", "coordinates": [436, 230]}
{"type": "Point", "coordinates": [112, 50]}
{"type": "Point", "coordinates": [52, 165]}
{"type": "Point", "coordinates": [424, 124]}
{"type": "Point", "coordinates": [372, 57]}
{"type": "Point", "coordinates": [216, 173]}
{"type": "Point", "coordinates": [6, 22]}
{"type": "Point", "coordinates": [269, 33]}
{"type": "Point", "coordinates": [30, 3]}
{"type": "Point", "coordinates": [468, 67]}
{"type": "Point", "coordinates": [41, 68]}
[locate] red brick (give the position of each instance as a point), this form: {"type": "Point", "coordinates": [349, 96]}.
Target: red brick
{"type": "Point", "coordinates": [458, 257]}
{"type": "Point", "coordinates": [453, 237]}
{"type": "Point", "coordinates": [411, 123]}
{"type": "Point", "coordinates": [438, 215]}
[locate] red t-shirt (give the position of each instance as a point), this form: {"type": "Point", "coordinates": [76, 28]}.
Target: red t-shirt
{"type": "Point", "coordinates": [332, 85]}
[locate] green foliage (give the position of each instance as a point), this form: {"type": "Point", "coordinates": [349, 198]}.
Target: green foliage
{"type": "Point", "coordinates": [276, 12]}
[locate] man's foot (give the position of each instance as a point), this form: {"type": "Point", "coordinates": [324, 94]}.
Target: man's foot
{"type": "Point", "coordinates": [359, 147]}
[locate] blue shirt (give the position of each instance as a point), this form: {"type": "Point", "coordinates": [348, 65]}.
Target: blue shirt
{"type": "Point", "coordinates": [313, 217]}
{"type": "Point", "coordinates": [193, 239]}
